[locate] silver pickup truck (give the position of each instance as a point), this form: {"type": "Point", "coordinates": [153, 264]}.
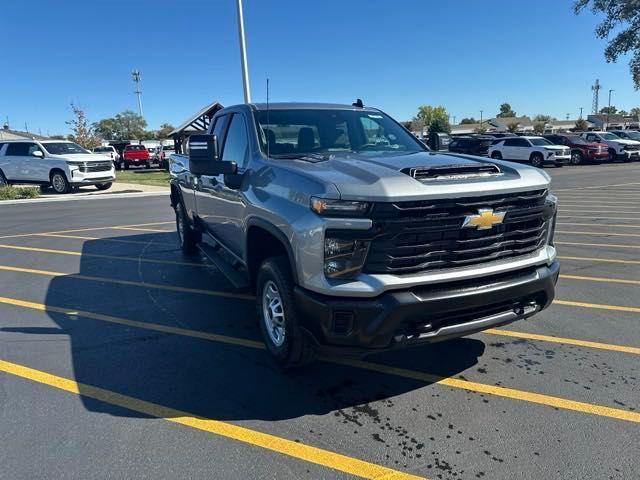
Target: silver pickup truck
{"type": "Point", "coordinates": [355, 237]}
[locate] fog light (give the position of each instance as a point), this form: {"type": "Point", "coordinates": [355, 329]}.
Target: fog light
{"type": "Point", "coordinates": [344, 257]}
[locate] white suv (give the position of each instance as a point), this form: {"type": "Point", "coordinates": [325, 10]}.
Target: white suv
{"type": "Point", "coordinates": [626, 149]}
{"type": "Point", "coordinates": [535, 150]}
{"type": "Point", "coordinates": [60, 164]}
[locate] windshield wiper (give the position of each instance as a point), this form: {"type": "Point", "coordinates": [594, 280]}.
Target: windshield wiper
{"type": "Point", "coordinates": [294, 156]}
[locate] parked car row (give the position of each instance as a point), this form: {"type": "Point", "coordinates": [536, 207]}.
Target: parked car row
{"type": "Point", "coordinates": [555, 149]}
{"type": "Point", "coordinates": [57, 164]}
{"type": "Point", "coordinates": [137, 155]}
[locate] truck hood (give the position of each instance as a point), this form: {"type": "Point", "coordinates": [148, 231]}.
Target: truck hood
{"type": "Point", "coordinates": [387, 178]}
{"type": "Point", "coordinates": [83, 157]}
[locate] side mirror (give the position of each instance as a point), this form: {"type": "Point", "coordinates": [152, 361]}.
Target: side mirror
{"type": "Point", "coordinates": [37, 154]}
{"type": "Point", "coordinates": [203, 157]}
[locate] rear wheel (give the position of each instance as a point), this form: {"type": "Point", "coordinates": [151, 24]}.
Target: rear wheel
{"type": "Point", "coordinates": [537, 160]}
{"type": "Point", "coordinates": [286, 341]}
{"type": "Point", "coordinates": [496, 155]}
{"type": "Point", "coordinates": [3, 180]}
{"type": "Point", "coordinates": [59, 182]}
{"type": "Point", "coordinates": [188, 238]}
{"type": "Point", "coordinates": [103, 186]}
{"type": "Point", "coordinates": [576, 158]}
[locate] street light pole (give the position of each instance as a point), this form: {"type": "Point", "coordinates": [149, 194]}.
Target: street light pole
{"type": "Point", "coordinates": [243, 54]}
{"type": "Point", "coordinates": [609, 109]}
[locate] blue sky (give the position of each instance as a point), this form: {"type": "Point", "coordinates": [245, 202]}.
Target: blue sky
{"type": "Point", "coordinates": [466, 55]}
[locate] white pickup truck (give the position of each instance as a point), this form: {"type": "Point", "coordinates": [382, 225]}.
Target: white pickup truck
{"type": "Point", "coordinates": [60, 164]}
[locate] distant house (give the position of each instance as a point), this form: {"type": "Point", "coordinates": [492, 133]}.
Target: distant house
{"type": "Point", "coordinates": [8, 134]}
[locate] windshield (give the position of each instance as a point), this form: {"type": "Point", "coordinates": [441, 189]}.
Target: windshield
{"type": "Point", "coordinates": [167, 147]}
{"type": "Point", "coordinates": [577, 140]}
{"type": "Point", "coordinates": [633, 135]}
{"type": "Point", "coordinates": [609, 136]}
{"type": "Point", "coordinates": [66, 148]}
{"type": "Point", "coordinates": [540, 141]}
{"type": "Point", "coordinates": [299, 132]}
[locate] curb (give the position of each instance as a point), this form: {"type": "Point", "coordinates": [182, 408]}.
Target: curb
{"type": "Point", "coordinates": [109, 196]}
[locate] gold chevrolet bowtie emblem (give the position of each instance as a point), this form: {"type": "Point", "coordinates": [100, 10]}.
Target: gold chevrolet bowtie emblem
{"type": "Point", "coordinates": [484, 220]}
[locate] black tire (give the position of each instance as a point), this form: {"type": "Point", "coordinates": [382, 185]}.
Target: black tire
{"type": "Point", "coordinates": [612, 155]}
{"type": "Point", "coordinates": [3, 180]}
{"type": "Point", "coordinates": [104, 186]}
{"type": "Point", "coordinates": [147, 165]}
{"type": "Point", "coordinates": [496, 155]}
{"type": "Point", "coordinates": [576, 158]}
{"type": "Point", "coordinates": [188, 238]}
{"type": "Point", "coordinates": [59, 182]}
{"type": "Point", "coordinates": [296, 348]}
{"type": "Point", "coordinates": [537, 160]}
{"type": "Point", "coordinates": [126, 166]}
{"type": "Point", "coordinates": [559, 165]}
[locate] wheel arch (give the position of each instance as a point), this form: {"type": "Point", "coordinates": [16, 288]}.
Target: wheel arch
{"type": "Point", "coordinates": [264, 240]}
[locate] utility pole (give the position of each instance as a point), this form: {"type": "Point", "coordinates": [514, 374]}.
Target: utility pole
{"type": "Point", "coordinates": [136, 75]}
{"type": "Point", "coordinates": [609, 109]}
{"type": "Point", "coordinates": [580, 112]}
{"type": "Point", "coordinates": [568, 116]}
{"type": "Point", "coordinates": [243, 53]}
{"type": "Point", "coordinates": [481, 112]}
{"type": "Point", "coordinates": [596, 89]}
{"type": "Point", "coordinates": [26, 127]}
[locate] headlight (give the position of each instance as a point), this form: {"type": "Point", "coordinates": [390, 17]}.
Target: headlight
{"type": "Point", "coordinates": [323, 206]}
{"type": "Point", "coordinates": [343, 258]}
{"type": "Point", "coordinates": [552, 221]}
{"type": "Point", "coordinates": [73, 165]}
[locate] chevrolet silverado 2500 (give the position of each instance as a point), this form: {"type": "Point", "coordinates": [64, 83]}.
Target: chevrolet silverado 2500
{"type": "Point", "coordinates": [356, 237]}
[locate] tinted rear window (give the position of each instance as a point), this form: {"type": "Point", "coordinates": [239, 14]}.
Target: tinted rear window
{"type": "Point", "coordinates": [135, 147]}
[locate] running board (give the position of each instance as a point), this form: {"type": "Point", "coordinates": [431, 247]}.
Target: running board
{"type": "Point", "coordinates": [238, 278]}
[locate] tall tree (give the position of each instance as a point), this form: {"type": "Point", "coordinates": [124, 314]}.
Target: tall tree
{"type": "Point", "coordinates": [538, 128]}
{"type": "Point", "coordinates": [609, 110]}
{"type": "Point", "coordinates": [542, 118]}
{"type": "Point", "coordinates": [436, 118]}
{"type": "Point", "coordinates": [624, 113]}
{"type": "Point", "coordinates": [126, 125]}
{"type": "Point", "coordinates": [165, 130]}
{"type": "Point", "coordinates": [506, 111]}
{"type": "Point", "coordinates": [621, 27]}
{"type": "Point", "coordinates": [468, 121]}
{"type": "Point", "coordinates": [635, 111]}
{"type": "Point", "coordinates": [81, 132]}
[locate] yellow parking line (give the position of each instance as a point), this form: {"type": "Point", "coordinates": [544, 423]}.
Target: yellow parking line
{"type": "Point", "coordinates": [600, 279]}
{"type": "Point", "coordinates": [157, 286]}
{"type": "Point", "coordinates": [99, 255]}
{"type": "Point", "coordinates": [602, 260]}
{"type": "Point", "coordinates": [608, 245]}
{"type": "Point", "coordinates": [290, 448]}
{"type": "Point", "coordinates": [87, 229]}
{"type": "Point", "coordinates": [608, 234]}
{"type": "Point", "coordinates": [598, 225]}
{"type": "Point", "coordinates": [598, 306]}
{"type": "Point", "coordinates": [562, 340]}
{"type": "Point", "coordinates": [542, 399]}
{"type": "Point", "coordinates": [103, 239]}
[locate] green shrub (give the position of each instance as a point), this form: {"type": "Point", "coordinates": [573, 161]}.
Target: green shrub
{"type": "Point", "coordinates": [13, 193]}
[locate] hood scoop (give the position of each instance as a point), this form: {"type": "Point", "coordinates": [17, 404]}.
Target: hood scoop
{"type": "Point", "coordinates": [452, 172]}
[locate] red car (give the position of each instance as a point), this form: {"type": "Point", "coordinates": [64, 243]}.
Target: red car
{"type": "Point", "coordinates": [582, 151]}
{"type": "Point", "coordinates": [136, 155]}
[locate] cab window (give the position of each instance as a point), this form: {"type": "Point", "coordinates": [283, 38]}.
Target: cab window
{"type": "Point", "coordinates": [236, 145]}
{"type": "Point", "coordinates": [22, 149]}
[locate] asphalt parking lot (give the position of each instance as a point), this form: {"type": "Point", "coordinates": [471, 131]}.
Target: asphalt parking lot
{"type": "Point", "coordinates": [121, 358]}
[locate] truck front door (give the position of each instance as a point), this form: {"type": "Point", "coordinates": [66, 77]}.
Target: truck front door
{"type": "Point", "coordinates": [222, 208]}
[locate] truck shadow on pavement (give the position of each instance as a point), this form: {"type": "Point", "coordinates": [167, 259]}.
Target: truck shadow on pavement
{"type": "Point", "coordinates": [208, 378]}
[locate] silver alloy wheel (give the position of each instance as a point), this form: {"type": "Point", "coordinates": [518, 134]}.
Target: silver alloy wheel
{"type": "Point", "coordinates": [58, 182]}
{"type": "Point", "coordinates": [273, 313]}
{"type": "Point", "coordinates": [576, 158]}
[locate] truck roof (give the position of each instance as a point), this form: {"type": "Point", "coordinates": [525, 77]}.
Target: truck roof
{"type": "Point", "coordinates": [309, 106]}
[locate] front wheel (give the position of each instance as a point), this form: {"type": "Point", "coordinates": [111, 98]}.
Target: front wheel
{"type": "Point", "coordinates": [103, 186]}
{"type": "Point", "coordinates": [537, 160]}
{"type": "Point", "coordinates": [126, 166]}
{"type": "Point", "coordinates": [576, 158]}
{"type": "Point", "coordinates": [188, 238]}
{"type": "Point", "coordinates": [59, 183]}
{"type": "Point", "coordinates": [3, 180]}
{"type": "Point", "coordinates": [287, 343]}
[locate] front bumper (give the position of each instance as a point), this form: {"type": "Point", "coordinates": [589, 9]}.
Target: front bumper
{"type": "Point", "coordinates": [630, 154]}
{"type": "Point", "coordinates": [79, 178]}
{"type": "Point", "coordinates": [561, 159]}
{"type": "Point", "coordinates": [424, 314]}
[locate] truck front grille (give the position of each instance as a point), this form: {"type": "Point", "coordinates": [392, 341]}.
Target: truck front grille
{"type": "Point", "coordinates": [96, 166]}
{"type": "Point", "coordinates": [413, 237]}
